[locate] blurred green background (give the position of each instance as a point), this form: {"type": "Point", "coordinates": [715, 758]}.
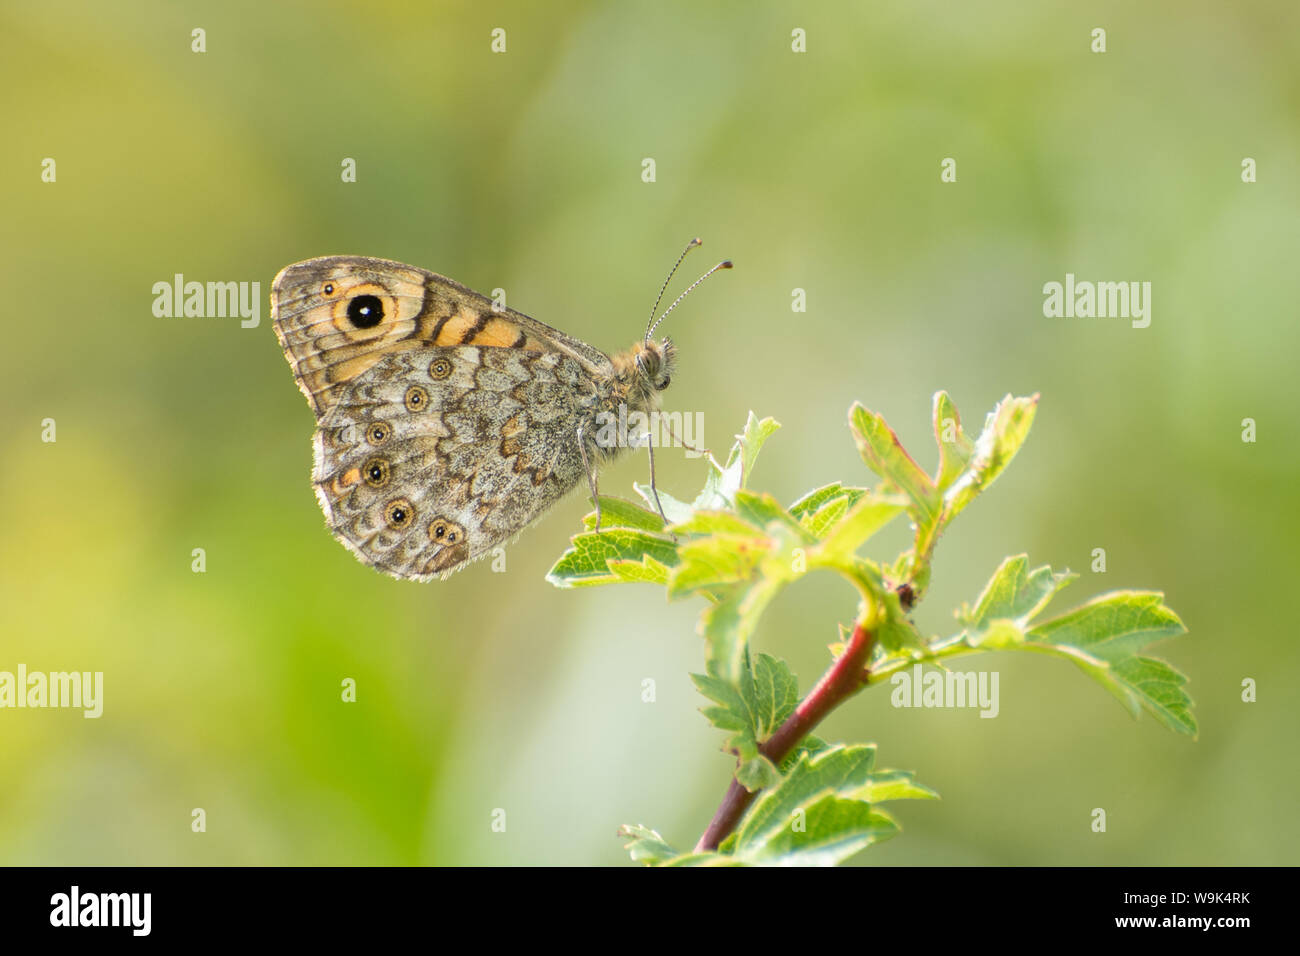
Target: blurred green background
{"type": "Point", "coordinates": [522, 170]}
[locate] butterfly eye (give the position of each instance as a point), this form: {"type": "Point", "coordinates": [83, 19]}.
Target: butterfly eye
{"type": "Point", "coordinates": [398, 514]}
{"type": "Point", "coordinates": [377, 433]}
{"type": "Point", "coordinates": [416, 399]}
{"type": "Point", "coordinates": [439, 368]}
{"type": "Point", "coordinates": [376, 472]}
{"type": "Point", "coordinates": [665, 383]}
{"type": "Point", "coordinates": [365, 311]}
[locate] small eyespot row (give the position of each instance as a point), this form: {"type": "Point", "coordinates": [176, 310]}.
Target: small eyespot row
{"type": "Point", "coordinates": [439, 368]}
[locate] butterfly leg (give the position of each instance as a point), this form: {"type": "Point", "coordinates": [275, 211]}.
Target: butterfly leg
{"type": "Point", "coordinates": [654, 490]}
{"type": "Point", "coordinates": [592, 477]}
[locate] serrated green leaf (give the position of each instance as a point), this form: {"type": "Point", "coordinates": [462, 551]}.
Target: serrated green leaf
{"type": "Point", "coordinates": [586, 562]}
{"type": "Point", "coordinates": [1004, 432]}
{"type": "Point", "coordinates": [832, 831]}
{"type": "Point", "coordinates": [716, 522]}
{"type": "Point", "coordinates": [721, 485]}
{"type": "Point", "coordinates": [716, 561]}
{"type": "Point", "coordinates": [757, 432]}
{"type": "Point", "coordinates": [841, 770]}
{"type": "Point", "coordinates": [1160, 689]}
{"type": "Point", "coordinates": [762, 511]}
{"type": "Point", "coordinates": [811, 744]}
{"type": "Point", "coordinates": [1112, 629]}
{"type": "Point", "coordinates": [818, 498]}
{"type": "Point", "coordinates": [885, 785]}
{"type": "Point", "coordinates": [955, 448]}
{"type": "Point", "coordinates": [1015, 592]}
{"type": "Point", "coordinates": [676, 511]}
{"type": "Point", "coordinates": [647, 570]}
{"type": "Point", "coordinates": [1113, 626]}
{"type": "Point", "coordinates": [884, 454]}
{"type": "Point", "coordinates": [1102, 637]}
{"type": "Point", "coordinates": [750, 708]}
{"type": "Point", "coordinates": [826, 517]}
{"type": "Point", "coordinates": [621, 513]}
{"type": "Point", "coordinates": [645, 845]}
{"type": "Point", "coordinates": [868, 516]}
{"type": "Point", "coordinates": [821, 813]}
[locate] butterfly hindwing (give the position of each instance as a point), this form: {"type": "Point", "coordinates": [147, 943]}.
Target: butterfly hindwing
{"type": "Point", "coordinates": [435, 455]}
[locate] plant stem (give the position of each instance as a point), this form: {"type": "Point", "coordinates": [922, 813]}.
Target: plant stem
{"type": "Point", "coordinates": [845, 678]}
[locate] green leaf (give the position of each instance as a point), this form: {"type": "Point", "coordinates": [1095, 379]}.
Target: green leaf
{"type": "Point", "coordinates": [1015, 592]}
{"type": "Point", "coordinates": [716, 561]}
{"type": "Point", "coordinates": [751, 709]}
{"type": "Point", "coordinates": [647, 570]}
{"type": "Point", "coordinates": [868, 516]}
{"type": "Point", "coordinates": [821, 812]}
{"type": "Point", "coordinates": [716, 522]}
{"type": "Point", "coordinates": [955, 448]}
{"type": "Point", "coordinates": [1004, 432]}
{"type": "Point", "coordinates": [810, 745]}
{"type": "Point", "coordinates": [645, 845]}
{"type": "Point", "coordinates": [621, 513]}
{"type": "Point", "coordinates": [1112, 629]}
{"type": "Point", "coordinates": [762, 511]}
{"type": "Point", "coordinates": [827, 516]}
{"type": "Point", "coordinates": [590, 558]}
{"type": "Point", "coordinates": [895, 632]}
{"type": "Point", "coordinates": [819, 498]}
{"type": "Point", "coordinates": [721, 486]}
{"type": "Point", "coordinates": [1113, 626]}
{"type": "Point", "coordinates": [884, 454]}
{"type": "Point", "coordinates": [757, 773]}
{"type": "Point", "coordinates": [1103, 637]}
{"type": "Point", "coordinates": [676, 511]}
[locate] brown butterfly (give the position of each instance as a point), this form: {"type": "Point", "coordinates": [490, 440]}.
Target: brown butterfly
{"type": "Point", "coordinates": [445, 425]}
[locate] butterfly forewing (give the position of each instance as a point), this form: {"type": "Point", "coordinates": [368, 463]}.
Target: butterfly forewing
{"type": "Point", "coordinates": [337, 316]}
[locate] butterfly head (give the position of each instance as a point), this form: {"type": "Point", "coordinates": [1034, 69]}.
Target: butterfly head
{"type": "Point", "coordinates": [654, 362]}
{"type": "Point", "coordinates": [642, 372]}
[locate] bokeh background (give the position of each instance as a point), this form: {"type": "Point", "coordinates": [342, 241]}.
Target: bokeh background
{"type": "Point", "coordinates": [522, 170]}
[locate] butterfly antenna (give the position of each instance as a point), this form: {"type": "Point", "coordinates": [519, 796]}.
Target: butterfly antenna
{"type": "Point", "coordinates": [664, 288]}
{"type": "Point", "coordinates": [724, 264]}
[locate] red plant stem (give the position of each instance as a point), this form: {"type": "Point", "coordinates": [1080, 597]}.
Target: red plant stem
{"type": "Point", "coordinates": [845, 678]}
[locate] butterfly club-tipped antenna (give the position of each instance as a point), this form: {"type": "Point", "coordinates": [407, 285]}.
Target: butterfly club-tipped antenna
{"type": "Point", "coordinates": [654, 323]}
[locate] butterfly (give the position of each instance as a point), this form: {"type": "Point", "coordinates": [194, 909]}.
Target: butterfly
{"type": "Point", "coordinates": [446, 424]}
